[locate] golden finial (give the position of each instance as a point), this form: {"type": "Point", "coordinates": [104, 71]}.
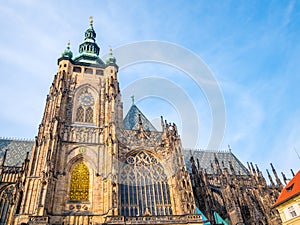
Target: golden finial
{"type": "Point", "coordinates": [68, 43]}
{"type": "Point", "coordinates": [91, 20]}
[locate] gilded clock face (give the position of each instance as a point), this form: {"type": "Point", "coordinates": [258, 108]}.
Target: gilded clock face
{"type": "Point", "coordinates": [86, 99]}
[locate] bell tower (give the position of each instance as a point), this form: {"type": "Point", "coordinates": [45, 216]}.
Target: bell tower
{"type": "Point", "coordinates": [88, 166]}
{"type": "Point", "coordinates": [71, 173]}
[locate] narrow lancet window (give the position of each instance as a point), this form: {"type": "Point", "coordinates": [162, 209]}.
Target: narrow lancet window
{"type": "Point", "coordinates": [89, 115]}
{"type": "Point", "coordinates": [80, 114]}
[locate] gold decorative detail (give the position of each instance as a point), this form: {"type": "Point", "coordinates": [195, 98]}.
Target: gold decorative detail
{"type": "Point", "coordinates": [79, 188]}
{"type": "Point", "coordinates": [91, 20]}
{"type": "Point", "coordinates": [81, 150]}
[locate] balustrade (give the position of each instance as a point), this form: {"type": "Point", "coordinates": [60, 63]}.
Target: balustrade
{"type": "Point", "coordinates": [170, 219]}
{"type": "Point", "coordinates": [73, 133]}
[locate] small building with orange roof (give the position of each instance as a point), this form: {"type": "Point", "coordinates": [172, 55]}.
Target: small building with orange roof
{"type": "Point", "coordinates": [288, 202]}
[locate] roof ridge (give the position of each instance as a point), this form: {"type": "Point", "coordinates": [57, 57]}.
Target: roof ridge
{"type": "Point", "coordinates": [16, 139]}
{"type": "Point", "coordinates": [208, 150]}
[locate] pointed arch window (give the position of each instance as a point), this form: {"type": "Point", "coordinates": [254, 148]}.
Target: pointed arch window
{"type": "Point", "coordinates": [79, 186]}
{"type": "Point", "coordinates": [144, 189]}
{"type": "Point", "coordinates": [85, 111]}
{"type": "Point", "coordinates": [6, 198]}
{"type": "Point", "coordinates": [80, 114]}
{"type": "Point", "coordinates": [89, 115]}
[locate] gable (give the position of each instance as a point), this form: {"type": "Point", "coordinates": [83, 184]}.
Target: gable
{"type": "Point", "coordinates": [131, 121]}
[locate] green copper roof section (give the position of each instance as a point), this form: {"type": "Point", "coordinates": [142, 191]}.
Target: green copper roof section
{"type": "Point", "coordinates": [219, 219]}
{"type": "Point", "coordinates": [89, 46]}
{"type": "Point", "coordinates": [110, 59]}
{"type": "Point", "coordinates": [204, 218]}
{"type": "Point", "coordinates": [67, 53]}
{"type": "Point", "coordinates": [89, 50]}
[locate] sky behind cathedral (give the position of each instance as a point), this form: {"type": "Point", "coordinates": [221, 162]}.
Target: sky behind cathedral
{"type": "Point", "coordinates": [252, 49]}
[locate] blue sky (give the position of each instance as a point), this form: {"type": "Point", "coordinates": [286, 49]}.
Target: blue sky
{"type": "Point", "coordinates": [251, 47]}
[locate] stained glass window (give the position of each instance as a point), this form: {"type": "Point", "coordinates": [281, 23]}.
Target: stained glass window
{"type": "Point", "coordinates": [80, 114]}
{"type": "Point", "coordinates": [143, 187]}
{"type": "Point", "coordinates": [79, 188]}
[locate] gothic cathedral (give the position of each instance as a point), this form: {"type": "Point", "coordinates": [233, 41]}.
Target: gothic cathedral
{"type": "Point", "coordinates": [87, 166]}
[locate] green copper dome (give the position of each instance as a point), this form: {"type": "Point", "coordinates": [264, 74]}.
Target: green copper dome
{"type": "Point", "coordinates": [89, 50]}
{"type": "Point", "coordinates": [89, 46]}
{"type": "Point", "coordinates": [110, 59]}
{"type": "Point", "coordinates": [67, 53]}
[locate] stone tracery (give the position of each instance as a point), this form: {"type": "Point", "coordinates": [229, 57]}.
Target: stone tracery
{"type": "Point", "coordinates": [143, 186]}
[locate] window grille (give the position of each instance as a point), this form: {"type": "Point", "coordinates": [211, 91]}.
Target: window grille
{"type": "Point", "coordinates": [80, 114]}
{"type": "Point", "coordinates": [89, 115]}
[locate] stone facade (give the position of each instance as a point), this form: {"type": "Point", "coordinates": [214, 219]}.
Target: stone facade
{"type": "Point", "coordinates": [89, 166]}
{"type": "Point", "coordinates": [86, 168]}
{"type": "Point", "coordinates": [288, 202]}
{"type": "Point", "coordinates": [240, 198]}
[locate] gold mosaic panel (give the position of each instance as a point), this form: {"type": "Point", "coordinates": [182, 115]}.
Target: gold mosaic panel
{"type": "Point", "coordinates": [79, 189]}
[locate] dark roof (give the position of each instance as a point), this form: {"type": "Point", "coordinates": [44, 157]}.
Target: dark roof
{"type": "Point", "coordinates": [17, 150]}
{"type": "Point", "coordinates": [291, 190]}
{"type": "Point", "coordinates": [131, 121]}
{"type": "Point", "coordinates": [206, 157]}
